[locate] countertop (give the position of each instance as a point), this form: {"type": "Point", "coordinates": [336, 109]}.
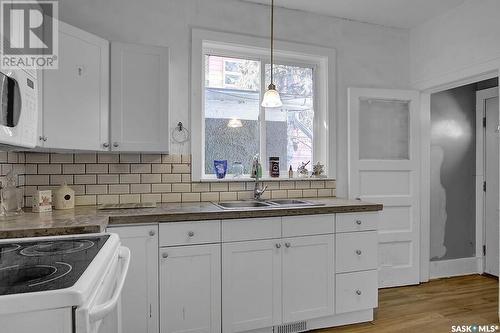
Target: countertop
{"type": "Point", "coordinates": [87, 219]}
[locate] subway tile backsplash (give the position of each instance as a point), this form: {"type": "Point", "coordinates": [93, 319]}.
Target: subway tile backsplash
{"type": "Point", "coordinates": [133, 178]}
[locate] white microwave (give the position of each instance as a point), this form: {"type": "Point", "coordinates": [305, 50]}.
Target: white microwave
{"type": "Point", "coordinates": [18, 109]}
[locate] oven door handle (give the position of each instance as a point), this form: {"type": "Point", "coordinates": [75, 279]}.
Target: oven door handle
{"type": "Point", "coordinates": [102, 310]}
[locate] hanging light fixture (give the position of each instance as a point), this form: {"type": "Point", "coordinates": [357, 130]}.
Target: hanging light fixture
{"type": "Point", "coordinates": [272, 97]}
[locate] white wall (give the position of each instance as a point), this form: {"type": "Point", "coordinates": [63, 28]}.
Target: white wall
{"type": "Point", "coordinates": [461, 38]}
{"type": "Point", "coordinates": [368, 55]}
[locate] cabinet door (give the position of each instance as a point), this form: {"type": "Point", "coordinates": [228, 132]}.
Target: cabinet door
{"type": "Point", "coordinates": [251, 285]}
{"type": "Point", "coordinates": [139, 98]}
{"type": "Point", "coordinates": [75, 97]}
{"type": "Point", "coordinates": [308, 275]}
{"type": "Point", "coordinates": [140, 292]}
{"type": "Point", "coordinates": [190, 295]}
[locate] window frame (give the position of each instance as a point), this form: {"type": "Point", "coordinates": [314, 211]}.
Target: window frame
{"type": "Point", "coordinates": [320, 59]}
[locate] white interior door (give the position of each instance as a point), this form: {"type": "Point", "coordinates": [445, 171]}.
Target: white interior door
{"type": "Point", "coordinates": [487, 102]}
{"type": "Point", "coordinates": [384, 168]}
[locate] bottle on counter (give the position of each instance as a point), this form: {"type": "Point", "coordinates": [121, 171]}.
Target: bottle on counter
{"type": "Point", "coordinates": [290, 172]}
{"type": "Point", "coordinates": [274, 167]}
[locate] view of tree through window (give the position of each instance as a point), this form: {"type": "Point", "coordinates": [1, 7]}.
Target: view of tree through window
{"type": "Point", "coordinates": [233, 90]}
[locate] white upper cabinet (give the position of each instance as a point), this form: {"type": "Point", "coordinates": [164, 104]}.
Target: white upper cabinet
{"type": "Point", "coordinates": [74, 99]}
{"type": "Point", "coordinates": [139, 98]}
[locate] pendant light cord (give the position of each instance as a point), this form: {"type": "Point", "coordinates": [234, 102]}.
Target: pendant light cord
{"type": "Point", "coordinates": [272, 39]}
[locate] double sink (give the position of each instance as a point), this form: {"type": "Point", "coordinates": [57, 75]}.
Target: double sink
{"type": "Point", "coordinates": [256, 204]}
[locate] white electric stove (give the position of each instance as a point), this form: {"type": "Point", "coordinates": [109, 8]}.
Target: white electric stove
{"type": "Point", "coordinates": [64, 284]}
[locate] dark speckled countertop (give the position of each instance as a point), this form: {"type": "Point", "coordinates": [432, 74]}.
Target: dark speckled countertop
{"type": "Point", "coordinates": [87, 219]}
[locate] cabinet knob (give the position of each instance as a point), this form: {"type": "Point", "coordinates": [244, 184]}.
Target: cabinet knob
{"type": "Point", "coordinates": [105, 145]}
{"type": "Point", "coordinates": [191, 233]}
{"type": "Point", "coordinates": [358, 252]}
{"type": "Point", "coordinates": [116, 144]}
{"type": "Point", "coordinates": [287, 244]}
{"type": "Point", "coordinates": [358, 222]}
{"type": "Point", "coordinates": [152, 233]}
{"type": "Point", "coordinates": [358, 292]}
{"type": "Point", "coordinates": [165, 255]}
{"type": "Point", "coordinates": [278, 245]}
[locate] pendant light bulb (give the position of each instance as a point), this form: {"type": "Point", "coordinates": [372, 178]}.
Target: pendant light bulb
{"type": "Point", "coordinates": [272, 98]}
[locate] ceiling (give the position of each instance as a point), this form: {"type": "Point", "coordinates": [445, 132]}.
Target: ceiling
{"type": "Point", "coordinates": [392, 13]}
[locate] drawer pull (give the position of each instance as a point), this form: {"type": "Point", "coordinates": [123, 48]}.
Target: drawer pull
{"type": "Point", "coordinates": [358, 252]}
{"type": "Point", "coordinates": [165, 255]}
{"type": "Point", "coordinates": [358, 292]}
{"type": "Point", "coordinates": [358, 222]}
{"type": "Point", "coordinates": [278, 245]}
{"type": "Point", "coordinates": [287, 244]}
{"type": "Point", "coordinates": [152, 233]}
{"type": "Point", "coordinates": [191, 233]}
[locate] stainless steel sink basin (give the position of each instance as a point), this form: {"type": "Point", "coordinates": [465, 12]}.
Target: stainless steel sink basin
{"type": "Point", "coordinates": [290, 202]}
{"type": "Point", "coordinates": [242, 204]}
{"type": "Point", "coordinates": [252, 204]}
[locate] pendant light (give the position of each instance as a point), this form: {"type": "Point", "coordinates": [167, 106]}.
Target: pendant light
{"type": "Point", "coordinates": [272, 97]}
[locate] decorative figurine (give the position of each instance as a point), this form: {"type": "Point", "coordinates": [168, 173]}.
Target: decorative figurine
{"type": "Point", "coordinates": [302, 170]}
{"type": "Point", "coordinates": [318, 170]}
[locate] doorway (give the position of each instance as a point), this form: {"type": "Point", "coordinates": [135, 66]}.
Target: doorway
{"type": "Point", "coordinates": [464, 164]}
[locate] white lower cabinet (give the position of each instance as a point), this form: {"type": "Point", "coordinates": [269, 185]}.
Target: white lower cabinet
{"type": "Point", "coordinates": [249, 274]}
{"type": "Point", "coordinates": [356, 291]}
{"type": "Point", "coordinates": [251, 285]}
{"type": "Point", "coordinates": [190, 289]}
{"type": "Point", "coordinates": [308, 276]}
{"type": "Point", "coordinates": [140, 292]}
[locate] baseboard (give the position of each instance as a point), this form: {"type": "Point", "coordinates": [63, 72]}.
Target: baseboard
{"type": "Point", "coordinates": [454, 267]}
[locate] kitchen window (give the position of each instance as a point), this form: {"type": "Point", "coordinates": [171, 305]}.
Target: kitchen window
{"type": "Point", "coordinates": [231, 123]}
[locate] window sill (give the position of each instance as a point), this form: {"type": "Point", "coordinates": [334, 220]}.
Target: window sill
{"type": "Point", "coordinates": [231, 179]}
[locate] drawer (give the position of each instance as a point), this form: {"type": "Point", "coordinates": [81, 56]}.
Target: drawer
{"type": "Point", "coordinates": [356, 291]}
{"type": "Point", "coordinates": [357, 222]}
{"type": "Point", "coordinates": [251, 229]}
{"type": "Point", "coordinates": [356, 251]}
{"type": "Point", "coordinates": [305, 225]}
{"type": "Point", "coordinates": [187, 233]}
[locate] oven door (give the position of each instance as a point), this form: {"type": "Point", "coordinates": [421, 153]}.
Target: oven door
{"type": "Point", "coordinates": [102, 312]}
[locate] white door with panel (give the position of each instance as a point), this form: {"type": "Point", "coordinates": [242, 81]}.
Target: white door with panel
{"type": "Point", "coordinates": [76, 94]}
{"type": "Point", "coordinates": [190, 289]}
{"type": "Point", "coordinates": [139, 98]}
{"type": "Point", "coordinates": [487, 105]}
{"type": "Point", "coordinates": [251, 285]}
{"type": "Point", "coordinates": [140, 292]}
{"type": "Point", "coordinates": [384, 168]}
{"type": "Point", "coordinates": [308, 276]}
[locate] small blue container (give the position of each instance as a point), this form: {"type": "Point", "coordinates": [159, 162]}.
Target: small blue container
{"type": "Point", "coordinates": [220, 167]}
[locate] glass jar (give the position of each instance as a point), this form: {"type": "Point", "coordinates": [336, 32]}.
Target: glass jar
{"type": "Point", "coordinates": [237, 169]}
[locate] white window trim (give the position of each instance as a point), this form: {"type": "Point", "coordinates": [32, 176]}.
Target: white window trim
{"type": "Point", "coordinates": [324, 59]}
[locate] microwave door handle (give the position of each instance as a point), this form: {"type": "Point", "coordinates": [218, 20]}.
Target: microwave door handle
{"type": "Point", "coordinates": [102, 310]}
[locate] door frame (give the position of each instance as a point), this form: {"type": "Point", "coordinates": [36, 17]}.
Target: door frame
{"type": "Point", "coordinates": [481, 96]}
{"type": "Point", "coordinates": [474, 73]}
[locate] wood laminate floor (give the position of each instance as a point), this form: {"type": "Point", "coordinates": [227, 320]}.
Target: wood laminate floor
{"type": "Point", "coordinates": [433, 307]}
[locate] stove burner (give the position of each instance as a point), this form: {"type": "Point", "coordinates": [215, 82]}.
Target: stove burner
{"type": "Point", "coordinates": [32, 275]}
{"type": "Point", "coordinates": [6, 248]}
{"type": "Point", "coordinates": [58, 247]}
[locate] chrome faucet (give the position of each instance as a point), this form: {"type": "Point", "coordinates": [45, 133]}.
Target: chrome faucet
{"type": "Point", "coordinates": [258, 190]}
